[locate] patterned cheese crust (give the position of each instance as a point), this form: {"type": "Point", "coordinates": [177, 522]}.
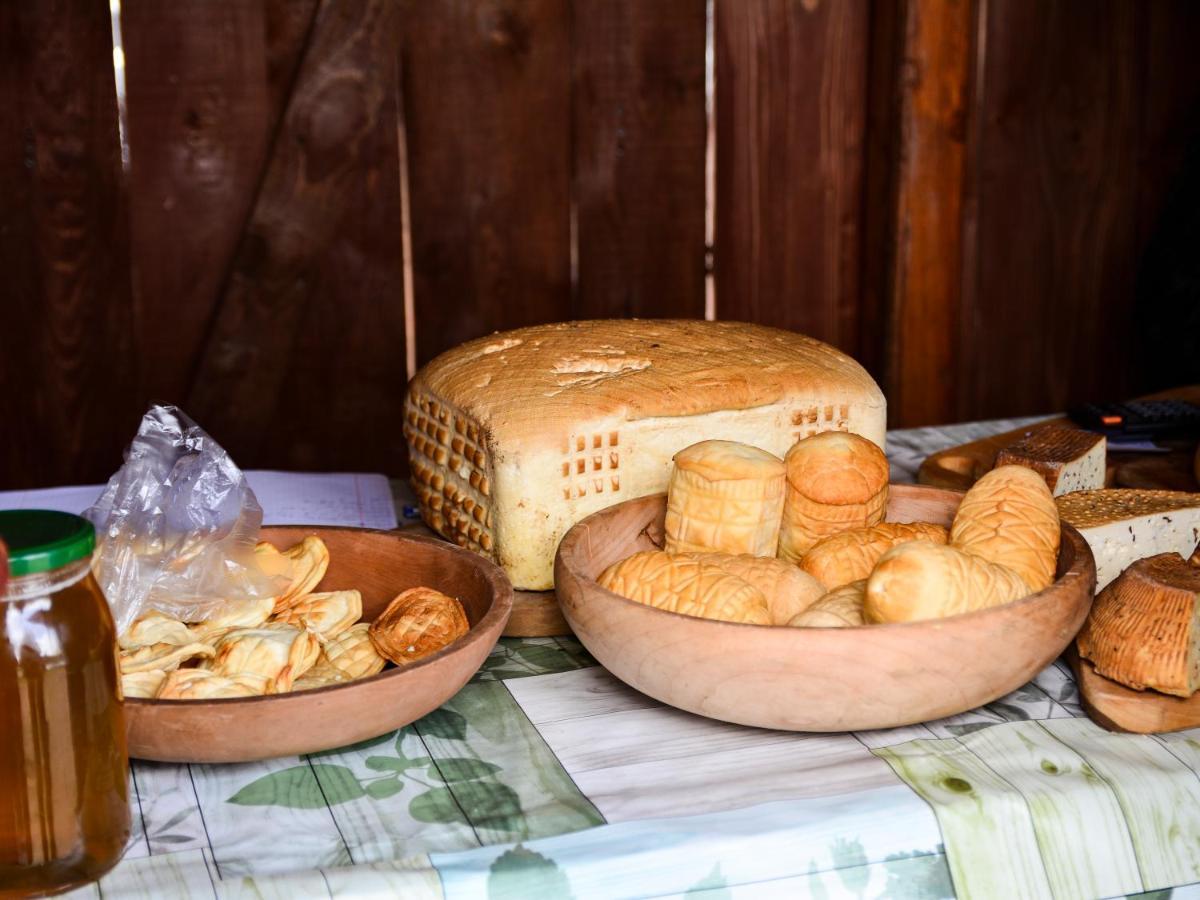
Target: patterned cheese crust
{"type": "Point", "coordinates": [1142, 630]}
{"type": "Point", "coordinates": [451, 471]}
{"type": "Point", "coordinates": [515, 437]}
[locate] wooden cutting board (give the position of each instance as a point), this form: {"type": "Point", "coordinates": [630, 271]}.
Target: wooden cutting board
{"type": "Point", "coordinates": [536, 614]}
{"type": "Point", "coordinates": [960, 467]}
{"type": "Point", "coordinates": [1118, 708]}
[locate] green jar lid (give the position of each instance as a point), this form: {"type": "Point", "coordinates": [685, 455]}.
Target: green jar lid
{"type": "Point", "coordinates": [41, 540]}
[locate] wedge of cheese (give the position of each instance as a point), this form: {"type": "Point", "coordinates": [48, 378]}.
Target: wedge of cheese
{"type": "Point", "coordinates": [1124, 525]}
{"type": "Point", "coordinates": [1070, 459]}
{"type": "Point", "coordinates": [515, 437]}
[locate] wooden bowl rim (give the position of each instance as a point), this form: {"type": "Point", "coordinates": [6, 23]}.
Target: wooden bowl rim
{"type": "Point", "coordinates": [500, 608]}
{"type": "Point", "coordinates": [1081, 564]}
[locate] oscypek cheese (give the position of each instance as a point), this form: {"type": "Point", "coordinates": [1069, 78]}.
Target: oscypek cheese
{"type": "Point", "coordinates": [517, 436]}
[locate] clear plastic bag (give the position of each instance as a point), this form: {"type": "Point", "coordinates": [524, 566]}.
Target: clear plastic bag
{"type": "Point", "coordinates": [176, 525]}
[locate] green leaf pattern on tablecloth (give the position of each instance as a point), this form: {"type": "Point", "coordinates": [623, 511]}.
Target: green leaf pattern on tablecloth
{"type": "Point", "coordinates": [522, 874]}
{"type": "Point", "coordinates": [525, 657]}
{"type": "Point", "coordinates": [449, 784]}
{"type": "Point", "coordinates": [711, 887]}
{"type": "Point", "coordinates": [477, 798]}
{"type": "Point", "coordinates": [849, 857]}
{"type": "Point", "coordinates": [445, 723]}
{"type": "Point", "coordinates": [298, 787]}
{"type": "Point", "coordinates": [918, 876]}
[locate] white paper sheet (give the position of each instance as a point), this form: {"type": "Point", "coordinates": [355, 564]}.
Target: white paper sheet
{"type": "Point", "coordinates": [287, 498]}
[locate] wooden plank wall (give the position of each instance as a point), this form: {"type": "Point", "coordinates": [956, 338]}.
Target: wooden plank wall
{"type": "Point", "coordinates": [791, 82]}
{"type": "Point", "coordinates": [961, 194]}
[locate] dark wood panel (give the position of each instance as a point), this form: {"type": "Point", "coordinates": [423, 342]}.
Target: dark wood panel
{"type": "Point", "coordinates": [288, 30]}
{"type": "Point", "coordinates": [67, 360]}
{"type": "Point", "coordinates": [1167, 308]}
{"type": "Point", "coordinates": [487, 119]}
{"type": "Point", "coordinates": [791, 112]}
{"type": "Point", "coordinates": [880, 185]}
{"type": "Point", "coordinates": [1169, 100]}
{"type": "Point", "coordinates": [930, 167]}
{"type": "Point", "coordinates": [639, 132]}
{"type": "Point", "coordinates": [313, 309]}
{"type": "Point", "coordinates": [1048, 313]}
{"type": "Point", "coordinates": [340, 404]}
{"type": "Point", "coordinates": [197, 112]}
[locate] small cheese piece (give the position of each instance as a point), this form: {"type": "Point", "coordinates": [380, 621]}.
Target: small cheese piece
{"type": "Point", "coordinates": [1070, 459]}
{"type": "Point", "coordinates": [840, 608]}
{"type": "Point", "coordinates": [724, 497]}
{"type": "Point", "coordinates": [1126, 524]}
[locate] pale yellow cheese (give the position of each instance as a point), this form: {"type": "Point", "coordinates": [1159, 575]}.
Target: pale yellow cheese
{"type": "Point", "coordinates": [1125, 524]}
{"type": "Point", "coordinates": [515, 437]}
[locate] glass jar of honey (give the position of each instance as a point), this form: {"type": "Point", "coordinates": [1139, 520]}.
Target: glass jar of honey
{"type": "Point", "coordinates": [64, 767]}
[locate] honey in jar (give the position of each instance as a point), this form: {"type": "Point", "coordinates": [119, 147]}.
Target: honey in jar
{"type": "Point", "coordinates": [64, 796]}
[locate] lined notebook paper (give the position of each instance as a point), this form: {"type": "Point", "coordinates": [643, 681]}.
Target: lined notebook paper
{"type": "Point", "coordinates": [287, 498]}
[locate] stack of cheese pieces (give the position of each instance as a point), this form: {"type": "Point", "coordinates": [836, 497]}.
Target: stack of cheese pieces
{"type": "Point", "coordinates": [802, 541]}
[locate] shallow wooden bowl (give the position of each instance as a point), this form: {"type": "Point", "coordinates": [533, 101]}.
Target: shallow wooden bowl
{"type": "Point", "coordinates": [814, 679]}
{"type": "Point", "coordinates": [380, 564]}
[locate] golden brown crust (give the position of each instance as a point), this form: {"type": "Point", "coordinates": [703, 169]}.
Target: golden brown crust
{"type": "Point", "coordinates": [1009, 518]}
{"type": "Point", "coordinates": [353, 654]}
{"type": "Point", "coordinates": [1142, 630]}
{"type": "Point", "coordinates": [835, 481]}
{"type": "Point", "coordinates": [840, 608]}
{"type": "Point", "coordinates": [326, 614]}
{"type": "Point", "coordinates": [419, 622]}
{"type": "Point", "coordinates": [1051, 446]}
{"type": "Point", "coordinates": [685, 585]}
{"type": "Point", "coordinates": [724, 497]}
{"type": "Point", "coordinates": [851, 555]}
{"type": "Point", "coordinates": [1087, 509]}
{"type": "Point", "coordinates": [162, 656]}
{"type": "Point", "coordinates": [201, 684]}
{"type": "Point", "coordinates": [729, 461]}
{"type": "Point", "coordinates": [788, 590]}
{"type": "Point", "coordinates": [635, 369]}
{"type": "Point", "coordinates": [919, 580]}
{"type": "Point", "coordinates": [300, 567]}
{"type": "Point", "coordinates": [279, 653]}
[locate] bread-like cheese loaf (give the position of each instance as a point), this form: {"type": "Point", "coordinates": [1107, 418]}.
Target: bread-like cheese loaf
{"type": "Point", "coordinates": [835, 482]}
{"type": "Point", "coordinates": [684, 585]}
{"type": "Point", "coordinates": [1126, 524]}
{"type": "Point", "coordinates": [515, 437]}
{"type": "Point", "coordinates": [840, 608]}
{"type": "Point", "coordinates": [724, 497]}
{"type": "Point", "coordinates": [1144, 628]}
{"type": "Point", "coordinates": [1069, 459]}
{"type": "Point", "coordinates": [788, 590]}
{"type": "Point", "coordinates": [1008, 517]}
{"type": "Point", "coordinates": [919, 580]}
{"type": "Point", "coordinates": [851, 555]}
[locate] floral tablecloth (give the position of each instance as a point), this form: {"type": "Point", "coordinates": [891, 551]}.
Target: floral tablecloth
{"type": "Point", "coordinates": [547, 777]}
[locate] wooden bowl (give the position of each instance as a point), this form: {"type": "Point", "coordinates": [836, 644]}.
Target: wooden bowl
{"type": "Point", "coordinates": [814, 679]}
{"type": "Point", "coordinates": [380, 564]}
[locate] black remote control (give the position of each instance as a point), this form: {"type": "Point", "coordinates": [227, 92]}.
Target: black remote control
{"type": "Point", "coordinates": [1140, 418]}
